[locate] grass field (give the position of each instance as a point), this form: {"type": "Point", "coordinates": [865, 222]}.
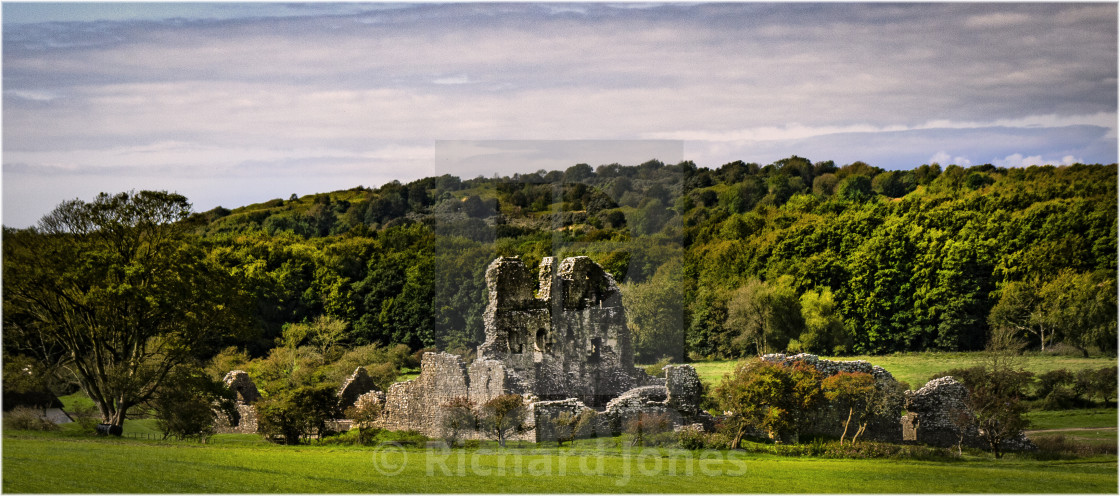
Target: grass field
{"type": "Point", "coordinates": [1091, 418]}
{"type": "Point", "coordinates": [916, 368]}
{"type": "Point", "coordinates": [43, 463]}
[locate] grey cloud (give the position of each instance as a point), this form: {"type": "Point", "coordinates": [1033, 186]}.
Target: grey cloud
{"type": "Point", "coordinates": [336, 78]}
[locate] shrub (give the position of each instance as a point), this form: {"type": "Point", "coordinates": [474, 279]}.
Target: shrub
{"type": "Point", "coordinates": [716, 440]}
{"type": "Point", "coordinates": [459, 416]}
{"type": "Point", "coordinates": [654, 370]}
{"type": "Point", "coordinates": [647, 428]}
{"type": "Point", "coordinates": [1049, 381]}
{"type": "Point", "coordinates": [692, 439]}
{"type": "Point", "coordinates": [857, 390]}
{"type": "Point", "coordinates": [563, 426]}
{"type": "Point", "coordinates": [365, 414]}
{"type": "Point", "coordinates": [87, 417]}
{"type": "Point", "coordinates": [1102, 384]}
{"type": "Point", "coordinates": [301, 412]}
{"type": "Point", "coordinates": [403, 438]}
{"type": "Point", "coordinates": [27, 419]}
{"type": "Point", "coordinates": [503, 415]}
{"type": "Point", "coordinates": [184, 403]}
{"type": "Point", "coordinates": [773, 398]}
{"type": "Point", "coordinates": [1058, 446]}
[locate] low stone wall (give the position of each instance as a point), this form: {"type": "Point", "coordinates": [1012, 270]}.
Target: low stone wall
{"type": "Point", "coordinates": [418, 404]}
{"type": "Point", "coordinates": [245, 422]}
{"type": "Point", "coordinates": [938, 413]}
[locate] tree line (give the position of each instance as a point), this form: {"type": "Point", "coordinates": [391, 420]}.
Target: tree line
{"type": "Point", "coordinates": [713, 263]}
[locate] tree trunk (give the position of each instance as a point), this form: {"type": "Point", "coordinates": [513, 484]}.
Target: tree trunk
{"type": "Point", "coordinates": [846, 422]}
{"type": "Point", "coordinates": [859, 432]}
{"type": "Point", "coordinates": [738, 441]}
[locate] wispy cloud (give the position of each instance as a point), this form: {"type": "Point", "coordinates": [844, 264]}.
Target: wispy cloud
{"type": "Point", "coordinates": [327, 90]}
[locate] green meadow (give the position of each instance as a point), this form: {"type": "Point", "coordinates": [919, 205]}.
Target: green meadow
{"type": "Point", "coordinates": [917, 368]}
{"type": "Point", "coordinates": [241, 464]}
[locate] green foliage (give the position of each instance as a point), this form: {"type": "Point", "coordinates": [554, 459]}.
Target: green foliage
{"type": "Point", "coordinates": [655, 312]}
{"type": "Point", "coordinates": [824, 332]}
{"type": "Point", "coordinates": [996, 390]}
{"type": "Point", "coordinates": [459, 417]}
{"type": "Point", "coordinates": [184, 405]}
{"type": "Point", "coordinates": [769, 397]}
{"type": "Point", "coordinates": [365, 415]}
{"type": "Point", "coordinates": [502, 416]}
{"type": "Point", "coordinates": [300, 412]}
{"type": "Point", "coordinates": [1063, 389]}
{"type": "Point", "coordinates": [1077, 308]}
{"type": "Point", "coordinates": [767, 315]}
{"type": "Point", "coordinates": [655, 369]}
{"type": "Point", "coordinates": [118, 293]}
{"type": "Point", "coordinates": [902, 260]}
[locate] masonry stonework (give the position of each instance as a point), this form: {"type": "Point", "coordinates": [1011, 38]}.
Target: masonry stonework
{"type": "Point", "coordinates": [560, 340]}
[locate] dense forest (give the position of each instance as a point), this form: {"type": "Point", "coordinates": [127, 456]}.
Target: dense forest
{"type": "Point", "coordinates": [721, 263]}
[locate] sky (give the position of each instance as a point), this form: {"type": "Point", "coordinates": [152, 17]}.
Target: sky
{"type": "Point", "coordinates": [232, 104]}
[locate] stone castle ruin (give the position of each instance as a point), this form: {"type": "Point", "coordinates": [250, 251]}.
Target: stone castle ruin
{"type": "Point", "coordinates": [563, 347]}
{"type": "Point", "coordinates": [561, 341]}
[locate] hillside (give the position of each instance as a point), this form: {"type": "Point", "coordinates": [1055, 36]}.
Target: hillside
{"type": "Point", "coordinates": [877, 261]}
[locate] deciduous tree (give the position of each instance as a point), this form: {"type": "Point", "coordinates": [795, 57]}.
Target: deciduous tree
{"type": "Point", "coordinates": [116, 292]}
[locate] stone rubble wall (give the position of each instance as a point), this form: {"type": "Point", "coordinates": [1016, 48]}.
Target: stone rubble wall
{"type": "Point", "coordinates": [572, 341]}
{"type": "Point", "coordinates": [417, 404]}
{"type": "Point", "coordinates": [245, 422]}
{"type": "Point", "coordinates": [239, 382]}
{"type": "Point", "coordinates": [930, 418]}
{"type": "Point", "coordinates": [246, 394]}
{"type": "Point", "coordinates": [356, 385]}
{"type": "Point", "coordinates": [565, 348]}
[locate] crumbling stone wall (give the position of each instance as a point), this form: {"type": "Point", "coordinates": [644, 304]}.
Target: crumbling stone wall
{"type": "Point", "coordinates": [244, 421]}
{"type": "Point", "coordinates": [357, 384]}
{"type": "Point", "coordinates": [572, 341]}
{"type": "Point", "coordinates": [239, 382]}
{"type": "Point", "coordinates": [678, 399]}
{"type": "Point", "coordinates": [418, 404]}
{"type": "Point", "coordinates": [829, 420]}
{"type": "Point", "coordinates": [932, 413]}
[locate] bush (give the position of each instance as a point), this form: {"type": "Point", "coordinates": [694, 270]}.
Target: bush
{"type": "Point", "coordinates": [459, 417]}
{"type": "Point", "coordinates": [1058, 446]}
{"type": "Point", "coordinates": [654, 370]}
{"type": "Point", "coordinates": [692, 439]}
{"type": "Point", "coordinates": [1102, 384]}
{"type": "Point", "coordinates": [301, 412]}
{"type": "Point", "coordinates": [502, 416]}
{"type": "Point", "coordinates": [27, 419]}
{"type": "Point", "coordinates": [184, 403]}
{"type": "Point", "coordinates": [648, 429]}
{"type": "Point", "coordinates": [87, 417]}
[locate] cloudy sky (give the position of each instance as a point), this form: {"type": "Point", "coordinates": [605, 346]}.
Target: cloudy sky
{"type": "Point", "coordinates": [232, 104]}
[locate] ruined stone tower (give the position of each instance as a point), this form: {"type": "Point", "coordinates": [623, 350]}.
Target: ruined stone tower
{"type": "Point", "coordinates": [570, 340]}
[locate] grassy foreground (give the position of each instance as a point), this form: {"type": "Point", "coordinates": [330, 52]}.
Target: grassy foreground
{"type": "Point", "coordinates": [33, 463]}
{"type": "Point", "coordinates": [916, 368]}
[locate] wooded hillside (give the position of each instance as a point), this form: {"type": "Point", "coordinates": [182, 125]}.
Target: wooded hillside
{"type": "Point", "coordinates": [713, 263]}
